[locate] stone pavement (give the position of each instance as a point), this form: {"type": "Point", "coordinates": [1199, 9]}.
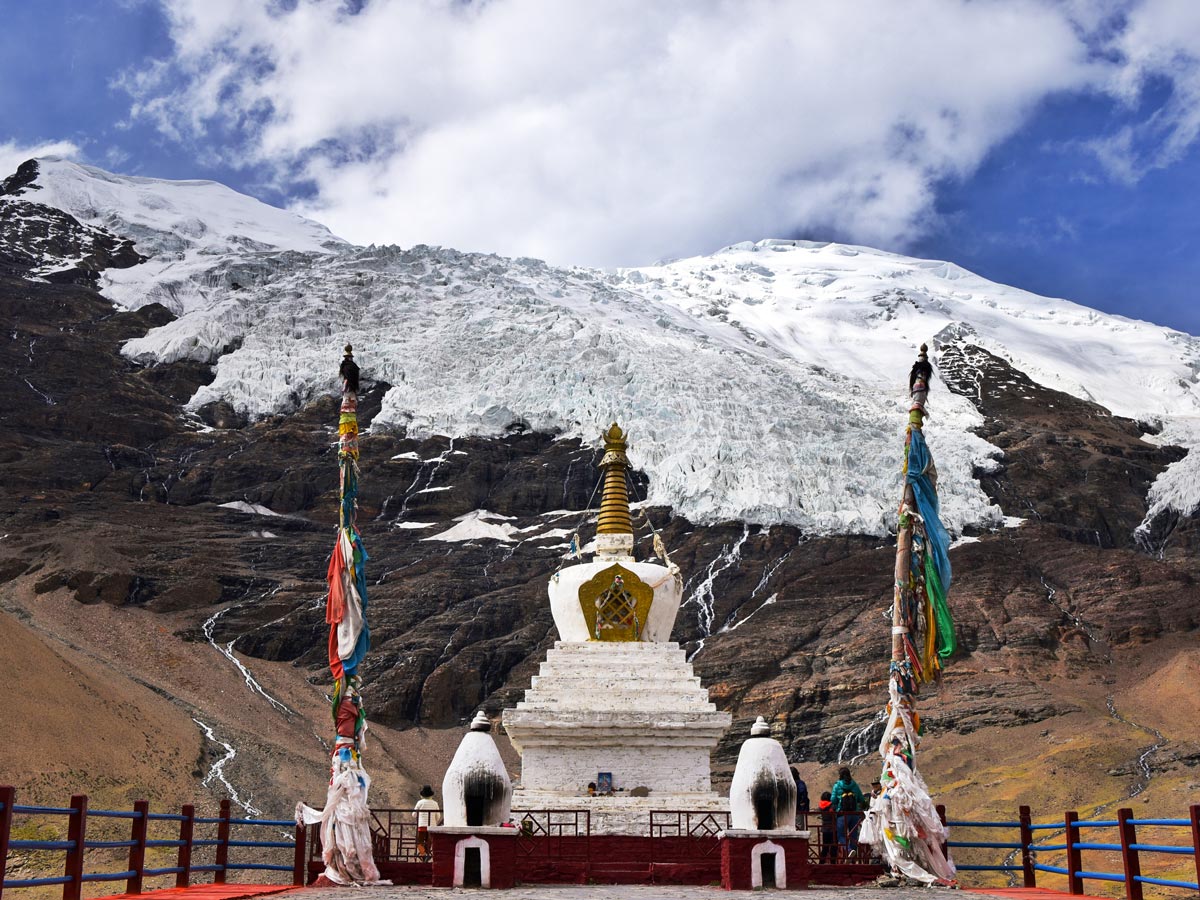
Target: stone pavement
{"type": "Point", "coordinates": [611, 892]}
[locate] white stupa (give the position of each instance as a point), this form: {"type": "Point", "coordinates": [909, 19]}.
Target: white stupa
{"type": "Point", "coordinates": [615, 695]}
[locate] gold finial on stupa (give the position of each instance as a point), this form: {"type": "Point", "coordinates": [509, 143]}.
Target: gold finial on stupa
{"type": "Point", "coordinates": [614, 500]}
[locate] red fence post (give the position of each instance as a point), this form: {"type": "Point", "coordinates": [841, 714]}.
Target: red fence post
{"type": "Point", "coordinates": [8, 796]}
{"type": "Point", "coordinates": [187, 827]}
{"type": "Point", "coordinates": [1027, 869]}
{"type": "Point", "coordinates": [1129, 856]}
{"type": "Point", "coordinates": [301, 858]}
{"type": "Point", "coordinates": [222, 843]}
{"type": "Point", "coordinates": [1074, 855]}
{"type": "Point", "coordinates": [941, 811]}
{"type": "Point", "coordinates": [1194, 810]}
{"type": "Point", "coordinates": [137, 853]}
{"type": "Point", "coordinates": [77, 832]}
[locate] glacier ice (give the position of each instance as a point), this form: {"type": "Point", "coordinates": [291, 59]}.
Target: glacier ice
{"type": "Point", "coordinates": [763, 383]}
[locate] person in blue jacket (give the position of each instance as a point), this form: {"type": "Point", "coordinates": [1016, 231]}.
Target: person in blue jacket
{"type": "Point", "coordinates": [847, 801]}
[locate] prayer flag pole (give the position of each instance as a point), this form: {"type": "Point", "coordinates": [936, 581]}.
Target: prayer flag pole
{"type": "Point", "coordinates": [346, 847]}
{"type": "Point", "coordinates": [902, 822]}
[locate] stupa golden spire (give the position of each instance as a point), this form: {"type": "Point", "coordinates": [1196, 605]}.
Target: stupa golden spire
{"type": "Point", "coordinates": [614, 499]}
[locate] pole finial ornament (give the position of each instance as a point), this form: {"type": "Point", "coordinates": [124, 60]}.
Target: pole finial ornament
{"type": "Point", "coordinates": [918, 387]}
{"type": "Point", "coordinates": [349, 372]}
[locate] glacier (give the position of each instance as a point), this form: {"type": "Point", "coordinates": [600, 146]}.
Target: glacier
{"type": "Point", "coordinates": [763, 383]}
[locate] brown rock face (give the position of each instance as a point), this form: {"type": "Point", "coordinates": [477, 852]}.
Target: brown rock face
{"type": "Point", "coordinates": [1067, 462]}
{"type": "Point", "coordinates": [112, 495]}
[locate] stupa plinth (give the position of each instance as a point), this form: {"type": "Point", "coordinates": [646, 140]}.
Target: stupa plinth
{"type": "Point", "coordinates": [615, 695]}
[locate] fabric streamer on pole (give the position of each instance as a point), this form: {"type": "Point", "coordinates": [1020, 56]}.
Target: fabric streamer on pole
{"type": "Point", "coordinates": [902, 822]}
{"type": "Point", "coordinates": [345, 821]}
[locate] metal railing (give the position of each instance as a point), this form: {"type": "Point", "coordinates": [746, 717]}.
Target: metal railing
{"type": "Point", "coordinates": [182, 839]}
{"type": "Point", "coordinates": [396, 836]}
{"type": "Point", "coordinates": [553, 833]}
{"type": "Point", "coordinates": [1124, 827]}
{"type": "Point", "coordinates": [543, 833]}
{"type": "Point", "coordinates": [824, 847]}
{"type": "Point", "coordinates": [678, 835]}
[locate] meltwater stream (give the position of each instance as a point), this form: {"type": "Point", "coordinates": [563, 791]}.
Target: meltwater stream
{"type": "Point", "coordinates": [1141, 765]}
{"type": "Point", "coordinates": [226, 650]}
{"type": "Point", "coordinates": [703, 596]}
{"type": "Point", "coordinates": [217, 772]}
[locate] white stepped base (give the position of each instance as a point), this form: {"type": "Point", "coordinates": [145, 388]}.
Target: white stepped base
{"type": "Point", "coordinates": [623, 815]}
{"type": "Point", "coordinates": [634, 709]}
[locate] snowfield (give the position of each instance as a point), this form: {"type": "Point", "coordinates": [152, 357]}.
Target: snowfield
{"type": "Point", "coordinates": [188, 229]}
{"type": "Point", "coordinates": [764, 383]}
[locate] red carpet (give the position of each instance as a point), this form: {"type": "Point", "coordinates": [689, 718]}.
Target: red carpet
{"type": "Point", "coordinates": [1028, 893]}
{"type": "Point", "coordinates": [207, 892]}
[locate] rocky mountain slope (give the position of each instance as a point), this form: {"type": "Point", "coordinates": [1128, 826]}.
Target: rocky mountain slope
{"type": "Point", "coordinates": [169, 488]}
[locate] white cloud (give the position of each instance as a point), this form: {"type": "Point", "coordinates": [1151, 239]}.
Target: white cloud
{"type": "Point", "coordinates": [13, 154]}
{"type": "Point", "coordinates": [1161, 41]}
{"type": "Point", "coordinates": [617, 132]}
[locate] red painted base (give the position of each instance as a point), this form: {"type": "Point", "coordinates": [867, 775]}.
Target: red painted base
{"type": "Point", "coordinates": [742, 868]}
{"type": "Point", "coordinates": [618, 859]}
{"type": "Point", "coordinates": [407, 872]}
{"type": "Point", "coordinates": [501, 855]}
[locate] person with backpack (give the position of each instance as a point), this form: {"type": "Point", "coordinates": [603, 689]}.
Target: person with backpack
{"type": "Point", "coordinates": [847, 800]}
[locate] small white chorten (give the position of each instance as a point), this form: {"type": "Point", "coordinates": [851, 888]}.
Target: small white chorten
{"type": "Point", "coordinates": [762, 796]}
{"type": "Point", "coordinates": [476, 790]}
{"type": "Point", "coordinates": [614, 694]}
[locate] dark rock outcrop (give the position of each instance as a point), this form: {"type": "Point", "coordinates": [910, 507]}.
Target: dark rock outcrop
{"type": "Point", "coordinates": [41, 240]}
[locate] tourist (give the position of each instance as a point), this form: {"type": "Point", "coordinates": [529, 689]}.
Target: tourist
{"type": "Point", "coordinates": [426, 813]}
{"type": "Point", "coordinates": [801, 800]}
{"type": "Point", "coordinates": [828, 836]}
{"type": "Point", "coordinates": [847, 799]}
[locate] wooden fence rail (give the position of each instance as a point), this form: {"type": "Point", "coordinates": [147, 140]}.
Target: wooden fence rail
{"type": "Point", "coordinates": [1074, 844]}
{"type": "Point", "coordinates": [77, 844]}
{"type": "Point", "coordinates": [1027, 844]}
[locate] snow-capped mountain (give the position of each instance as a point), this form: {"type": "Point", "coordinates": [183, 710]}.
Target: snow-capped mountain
{"type": "Point", "coordinates": [762, 383]}
{"type": "Point", "coordinates": [187, 230]}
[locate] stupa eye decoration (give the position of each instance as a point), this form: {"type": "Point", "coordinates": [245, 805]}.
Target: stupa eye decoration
{"type": "Point", "coordinates": [616, 608]}
{"type": "Point", "coordinates": [615, 604]}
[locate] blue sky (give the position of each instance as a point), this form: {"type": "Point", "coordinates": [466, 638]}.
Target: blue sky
{"type": "Point", "coordinates": [60, 61]}
{"type": "Point", "coordinates": [526, 128]}
{"type": "Point", "coordinates": [1042, 214]}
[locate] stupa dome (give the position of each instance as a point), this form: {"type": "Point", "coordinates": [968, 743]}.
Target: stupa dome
{"type": "Point", "coordinates": [614, 597]}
